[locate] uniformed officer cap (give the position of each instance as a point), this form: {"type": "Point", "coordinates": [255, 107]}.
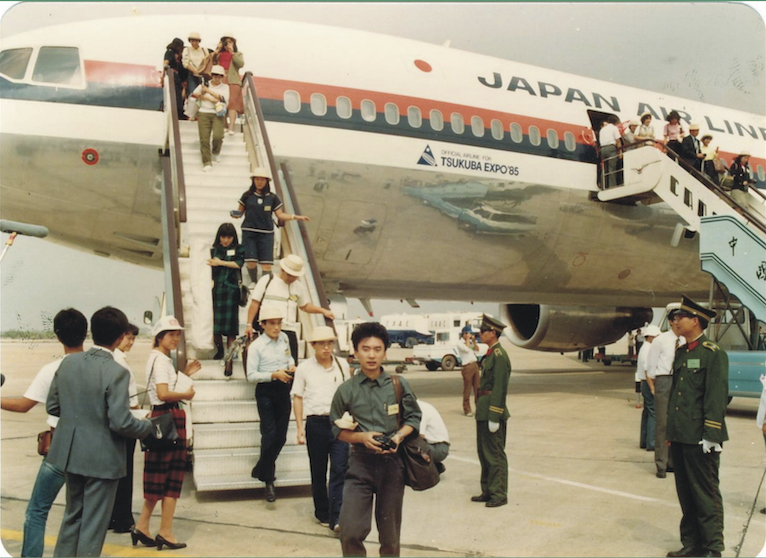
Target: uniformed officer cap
{"type": "Point", "coordinates": [490, 323]}
{"type": "Point", "coordinates": [691, 309]}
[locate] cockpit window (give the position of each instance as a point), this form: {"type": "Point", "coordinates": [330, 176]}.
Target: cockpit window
{"type": "Point", "coordinates": [13, 62]}
{"type": "Point", "coordinates": [59, 65]}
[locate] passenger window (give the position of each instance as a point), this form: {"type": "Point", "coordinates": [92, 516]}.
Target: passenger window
{"type": "Point", "coordinates": [436, 119]}
{"type": "Point", "coordinates": [58, 65]}
{"type": "Point", "coordinates": [457, 123]}
{"type": "Point", "coordinates": [292, 101]}
{"type": "Point", "coordinates": [318, 104]}
{"type": "Point", "coordinates": [553, 138]}
{"type": "Point", "coordinates": [13, 62]}
{"type": "Point", "coordinates": [392, 114]}
{"type": "Point", "coordinates": [516, 134]}
{"type": "Point", "coordinates": [343, 107]}
{"type": "Point", "coordinates": [497, 129]}
{"type": "Point", "coordinates": [570, 142]}
{"type": "Point", "coordinates": [477, 126]}
{"type": "Point", "coordinates": [368, 111]}
{"type": "Point", "coordinates": [761, 173]}
{"type": "Point", "coordinates": [414, 117]}
{"type": "Point", "coordinates": [534, 136]}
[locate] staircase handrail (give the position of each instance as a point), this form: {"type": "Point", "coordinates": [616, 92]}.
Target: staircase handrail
{"type": "Point", "coordinates": [250, 95]}
{"type": "Point", "coordinates": [174, 141]}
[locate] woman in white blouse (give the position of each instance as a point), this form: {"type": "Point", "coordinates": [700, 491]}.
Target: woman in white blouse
{"type": "Point", "coordinates": [164, 469]}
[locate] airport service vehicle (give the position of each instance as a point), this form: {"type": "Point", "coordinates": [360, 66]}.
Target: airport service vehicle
{"type": "Point", "coordinates": [447, 328]}
{"type": "Point", "coordinates": [441, 355]}
{"type": "Point", "coordinates": [407, 330]}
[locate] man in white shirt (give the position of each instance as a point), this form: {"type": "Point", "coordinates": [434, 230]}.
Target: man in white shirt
{"type": "Point", "coordinates": [70, 327]}
{"type": "Point", "coordinates": [287, 294]}
{"type": "Point", "coordinates": [434, 431]}
{"type": "Point", "coordinates": [316, 380]}
{"type": "Point", "coordinates": [193, 59]}
{"type": "Point", "coordinates": [646, 440]}
{"type": "Point", "coordinates": [610, 141]}
{"type": "Point", "coordinates": [659, 377]}
{"type": "Point", "coordinates": [467, 349]}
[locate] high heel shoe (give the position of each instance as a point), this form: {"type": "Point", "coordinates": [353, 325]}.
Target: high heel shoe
{"type": "Point", "coordinates": [162, 541]}
{"type": "Point", "coordinates": [137, 536]}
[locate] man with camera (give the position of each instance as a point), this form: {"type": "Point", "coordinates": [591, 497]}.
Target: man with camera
{"type": "Point", "coordinates": [374, 432]}
{"type": "Point", "coordinates": [467, 349]}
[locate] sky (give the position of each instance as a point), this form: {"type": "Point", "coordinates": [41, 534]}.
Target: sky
{"type": "Point", "coordinates": [713, 52]}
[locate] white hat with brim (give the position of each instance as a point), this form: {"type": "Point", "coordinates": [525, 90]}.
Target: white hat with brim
{"type": "Point", "coordinates": [194, 35]}
{"type": "Point", "coordinates": [260, 172]}
{"type": "Point", "coordinates": [217, 70]}
{"type": "Point", "coordinates": [322, 333]}
{"type": "Point", "coordinates": [270, 313]}
{"type": "Point", "coordinates": [292, 265]}
{"type": "Point", "coordinates": [693, 127]}
{"type": "Point", "coordinates": [167, 323]}
{"type": "Point", "coordinates": [650, 331]}
{"type": "Point", "coordinates": [744, 154]}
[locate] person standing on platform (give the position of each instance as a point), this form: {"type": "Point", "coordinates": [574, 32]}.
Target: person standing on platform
{"type": "Point", "coordinates": [70, 327]}
{"type": "Point", "coordinates": [610, 141]}
{"type": "Point", "coordinates": [492, 417]}
{"type": "Point", "coordinates": [646, 440]}
{"type": "Point", "coordinates": [316, 380]}
{"type": "Point", "coordinates": [270, 365]}
{"type": "Point", "coordinates": [697, 431]}
{"type": "Point", "coordinates": [374, 470]}
{"type": "Point", "coordinates": [690, 148]}
{"type": "Point", "coordinates": [467, 349]}
{"type": "Point", "coordinates": [89, 394]}
{"type": "Point", "coordinates": [659, 377]}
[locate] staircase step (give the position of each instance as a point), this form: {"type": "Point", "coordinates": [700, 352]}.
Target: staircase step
{"type": "Point", "coordinates": [230, 411]}
{"type": "Point", "coordinates": [227, 437]}
{"type": "Point", "coordinates": [220, 389]}
{"type": "Point", "coordinates": [230, 469]}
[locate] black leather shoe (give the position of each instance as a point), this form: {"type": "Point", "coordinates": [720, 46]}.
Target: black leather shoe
{"type": "Point", "coordinates": [662, 475]}
{"type": "Point", "coordinates": [496, 503]}
{"type": "Point", "coordinates": [137, 536]}
{"type": "Point", "coordinates": [711, 553]}
{"type": "Point", "coordinates": [440, 467]}
{"type": "Point", "coordinates": [271, 494]}
{"type": "Point", "coordinates": [763, 510]}
{"type": "Point", "coordinates": [162, 541]}
{"type": "Point", "coordinates": [480, 498]}
{"type": "Point", "coordinates": [684, 552]}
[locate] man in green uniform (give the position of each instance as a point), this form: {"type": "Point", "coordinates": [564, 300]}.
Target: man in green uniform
{"type": "Point", "coordinates": [492, 416]}
{"type": "Point", "coordinates": [696, 430]}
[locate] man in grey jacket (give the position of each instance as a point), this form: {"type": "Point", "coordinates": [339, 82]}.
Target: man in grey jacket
{"type": "Point", "coordinates": [90, 395]}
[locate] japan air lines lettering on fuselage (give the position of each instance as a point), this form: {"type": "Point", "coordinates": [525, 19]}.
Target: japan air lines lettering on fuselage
{"type": "Point", "coordinates": [467, 161]}
{"type": "Point", "coordinates": [596, 100]}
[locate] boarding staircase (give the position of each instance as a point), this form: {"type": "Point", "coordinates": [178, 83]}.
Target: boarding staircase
{"type": "Point", "coordinates": [225, 431]}
{"type": "Point", "coordinates": [732, 237]}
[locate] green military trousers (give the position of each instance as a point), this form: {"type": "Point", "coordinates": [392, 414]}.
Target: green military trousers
{"type": "Point", "coordinates": [697, 485]}
{"type": "Point", "coordinates": [494, 462]}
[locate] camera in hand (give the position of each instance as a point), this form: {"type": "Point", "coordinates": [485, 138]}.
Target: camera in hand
{"type": "Point", "coordinates": [385, 441]}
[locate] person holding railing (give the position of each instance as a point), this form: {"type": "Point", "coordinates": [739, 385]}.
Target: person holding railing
{"type": "Point", "coordinates": [645, 130]}
{"type": "Point", "coordinates": [740, 173]}
{"type": "Point", "coordinates": [228, 56]}
{"type": "Point", "coordinates": [610, 141]}
{"type": "Point", "coordinates": [673, 133]}
{"type": "Point", "coordinates": [211, 116]}
{"type": "Point", "coordinates": [711, 154]}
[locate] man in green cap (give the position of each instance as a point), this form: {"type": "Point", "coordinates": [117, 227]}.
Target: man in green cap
{"type": "Point", "coordinates": [492, 416]}
{"type": "Point", "coordinates": [696, 431]}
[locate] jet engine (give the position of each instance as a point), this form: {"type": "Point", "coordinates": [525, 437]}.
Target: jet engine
{"type": "Point", "coordinates": [569, 328]}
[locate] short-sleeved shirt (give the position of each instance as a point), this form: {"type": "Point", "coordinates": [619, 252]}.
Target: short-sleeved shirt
{"type": "Point", "coordinates": [159, 370]}
{"type": "Point", "coordinates": [642, 361]}
{"type": "Point", "coordinates": [661, 354]}
{"type": "Point", "coordinates": [41, 385]}
{"type": "Point", "coordinates": [608, 135]}
{"type": "Point", "coordinates": [432, 426]}
{"type": "Point", "coordinates": [280, 295]}
{"type": "Point", "coordinates": [206, 105]}
{"type": "Point", "coordinates": [317, 385]}
{"type": "Point", "coordinates": [373, 404]}
{"type": "Point", "coordinates": [258, 210]}
{"type": "Point", "coordinates": [119, 358]}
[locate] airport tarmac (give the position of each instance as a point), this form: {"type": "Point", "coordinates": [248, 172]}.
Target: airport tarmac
{"type": "Point", "coordinates": [579, 484]}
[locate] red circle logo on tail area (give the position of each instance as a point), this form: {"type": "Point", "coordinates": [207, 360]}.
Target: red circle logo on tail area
{"type": "Point", "coordinates": [90, 156]}
{"type": "Point", "coordinates": [423, 66]}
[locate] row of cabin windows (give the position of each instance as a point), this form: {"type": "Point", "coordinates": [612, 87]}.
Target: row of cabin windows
{"type": "Point", "coordinates": [368, 110]}
{"type": "Point", "coordinates": [54, 65]}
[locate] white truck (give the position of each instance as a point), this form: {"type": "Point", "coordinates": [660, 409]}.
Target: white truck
{"type": "Point", "coordinates": [447, 330]}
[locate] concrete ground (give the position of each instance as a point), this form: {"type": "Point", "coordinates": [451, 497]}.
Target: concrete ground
{"type": "Point", "coordinates": [579, 484]}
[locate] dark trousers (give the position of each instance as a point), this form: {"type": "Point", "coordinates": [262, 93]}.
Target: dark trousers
{"type": "Point", "coordinates": [647, 418]}
{"type": "Point", "coordinates": [89, 503]}
{"type": "Point", "coordinates": [381, 476]}
{"type": "Point", "coordinates": [122, 513]}
{"type": "Point", "coordinates": [662, 386]}
{"type": "Point", "coordinates": [273, 400]}
{"type": "Point", "coordinates": [494, 462]}
{"type": "Point", "coordinates": [292, 338]}
{"type": "Point", "coordinates": [696, 475]}
{"type": "Point", "coordinates": [321, 445]}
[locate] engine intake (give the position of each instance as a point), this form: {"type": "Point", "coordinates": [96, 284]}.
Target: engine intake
{"type": "Point", "coordinates": [569, 328]}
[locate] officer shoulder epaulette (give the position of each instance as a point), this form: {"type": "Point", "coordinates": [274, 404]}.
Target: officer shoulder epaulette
{"type": "Point", "coordinates": [498, 352]}
{"type": "Point", "coordinates": [710, 345]}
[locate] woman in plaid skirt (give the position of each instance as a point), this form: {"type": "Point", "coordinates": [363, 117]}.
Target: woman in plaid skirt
{"type": "Point", "coordinates": [164, 469]}
{"type": "Point", "coordinates": [227, 256]}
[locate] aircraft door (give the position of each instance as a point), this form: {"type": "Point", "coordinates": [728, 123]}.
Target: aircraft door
{"type": "Point", "coordinates": [597, 119]}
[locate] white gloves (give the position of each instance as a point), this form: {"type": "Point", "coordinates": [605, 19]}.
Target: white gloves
{"type": "Point", "coordinates": [708, 446]}
{"type": "Point", "coordinates": [495, 426]}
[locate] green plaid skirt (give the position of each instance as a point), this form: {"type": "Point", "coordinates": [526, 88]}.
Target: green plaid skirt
{"type": "Point", "coordinates": [225, 309]}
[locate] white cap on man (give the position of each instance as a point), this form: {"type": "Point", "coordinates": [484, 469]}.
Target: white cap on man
{"type": "Point", "coordinates": [292, 265]}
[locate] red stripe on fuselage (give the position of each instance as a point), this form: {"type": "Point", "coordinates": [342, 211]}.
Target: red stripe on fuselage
{"type": "Point", "coordinates": [115, 73]}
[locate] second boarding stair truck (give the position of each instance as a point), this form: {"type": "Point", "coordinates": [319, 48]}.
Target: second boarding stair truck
{"type": "Point", "coordinates": [225, 434]}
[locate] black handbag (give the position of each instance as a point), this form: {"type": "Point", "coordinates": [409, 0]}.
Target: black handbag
{"type": "Point", "coordinates": [164, 435]}
{"type": "Point", "coordinates": [420, 472]}
{"type": "Point", "coordinates": [244, 292]}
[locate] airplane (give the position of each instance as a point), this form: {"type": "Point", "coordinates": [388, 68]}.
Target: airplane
{"type": "Point", "coordinates": [394, 147]}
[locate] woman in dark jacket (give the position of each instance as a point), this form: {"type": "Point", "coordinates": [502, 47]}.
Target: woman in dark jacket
{"type": "Point", "coordinates": [740, 172]}
{"type": "Point", "coordinates": [172, 59]}
{"type": "Point", "coordinates": [227, 256]}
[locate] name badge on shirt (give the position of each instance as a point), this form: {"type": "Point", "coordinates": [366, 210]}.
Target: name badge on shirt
{"type": "Point", "coordinates": [231, 252]}
{"type": "Point", "coordinates": [393, 409]}
{"type": "Point", "coordinates": [693, 364]}
{"type": "Point", "coordinates": [267, 208]}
